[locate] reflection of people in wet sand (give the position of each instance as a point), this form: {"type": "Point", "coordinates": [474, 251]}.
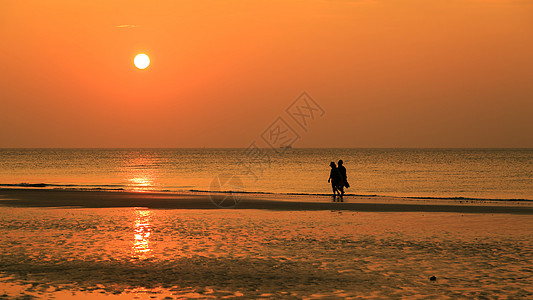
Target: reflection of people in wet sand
{"type": "Point", "coordinates": [335, 178]}
{"type": "Point", "coordinates": [342, 169]}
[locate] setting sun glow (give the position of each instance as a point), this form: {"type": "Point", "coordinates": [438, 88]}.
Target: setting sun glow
{"type": "Point", "coordinates": [141, 61]}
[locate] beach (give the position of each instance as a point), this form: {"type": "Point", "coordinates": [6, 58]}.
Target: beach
{"type": "Point", "coordinates": [145, 245]}
{"type": "Point", "coordinates": [196, 149]}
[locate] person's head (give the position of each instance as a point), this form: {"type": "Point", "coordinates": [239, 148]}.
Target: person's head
{"type": "Point", "coordinates": [340, 162]}
{"type": "Point", "coordinates": [332, 164]}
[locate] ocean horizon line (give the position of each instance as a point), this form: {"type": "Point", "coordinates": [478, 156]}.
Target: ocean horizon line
{"type": "Point", "coordinates": [292, 148]}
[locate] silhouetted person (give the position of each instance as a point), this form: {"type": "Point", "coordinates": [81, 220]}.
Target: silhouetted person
{"type": "Point", "coordinates": [342, 170]}
{"type": "Point", "coordinates": [336, 181]}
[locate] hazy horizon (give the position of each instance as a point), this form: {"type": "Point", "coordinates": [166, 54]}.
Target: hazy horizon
{"type": "Point", "coordinates": [294, 147]}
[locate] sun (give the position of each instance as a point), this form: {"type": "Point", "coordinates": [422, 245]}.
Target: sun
{"type": "Point", "coordinates": [141, 61]}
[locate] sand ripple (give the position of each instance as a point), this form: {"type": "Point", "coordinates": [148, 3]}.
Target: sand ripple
{"type": "Point", "coordinates": [127, 253]}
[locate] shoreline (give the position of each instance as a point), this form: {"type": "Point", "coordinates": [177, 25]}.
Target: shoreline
{"type": "Point", "coordinates": [120, 188]}
{"type": "Point", "coordinates": [197, 200]}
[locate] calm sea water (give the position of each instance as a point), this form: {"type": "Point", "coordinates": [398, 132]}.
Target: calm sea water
{"type": "Point", "coordinates": [478, 173]}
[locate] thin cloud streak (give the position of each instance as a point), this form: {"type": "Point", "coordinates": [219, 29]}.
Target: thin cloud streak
{"type": "Point", "coordinates": [126, 26]}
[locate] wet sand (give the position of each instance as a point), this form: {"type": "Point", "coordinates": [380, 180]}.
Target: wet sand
{"type": "Point", "coordinates": [81, 244]}
{"type": "Point", "coordinates": [152, 200]}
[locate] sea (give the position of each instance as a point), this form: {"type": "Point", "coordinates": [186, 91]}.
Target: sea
{"type": "Point", "coordinates": [437, 173]}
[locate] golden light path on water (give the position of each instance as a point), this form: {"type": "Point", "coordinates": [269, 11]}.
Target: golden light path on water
{"type": "Point", "coordinates": [141, 248]}
{"type": "Point", "coordinates": [58, 253]}
{"type": "Point", "coordinates": [141, 182]}
{"type": "Point", "coordinates": [140, 173]}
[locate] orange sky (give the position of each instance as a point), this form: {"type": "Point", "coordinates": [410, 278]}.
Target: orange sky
{"type": "Point", "coordinates": [388, 73]}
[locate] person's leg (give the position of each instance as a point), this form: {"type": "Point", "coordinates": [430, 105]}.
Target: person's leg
{"type": "Point", "coordinates": [333, 188]}
{"type": "Point", "coordinates": [341, 192]}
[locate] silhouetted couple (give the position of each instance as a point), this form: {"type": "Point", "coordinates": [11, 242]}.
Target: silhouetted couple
{"type": "Point", "coordinates": [338, 179]}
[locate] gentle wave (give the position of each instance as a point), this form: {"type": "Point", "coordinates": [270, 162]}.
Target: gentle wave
{"type": "Point", "coordinates": [360, 195]}
{"type": "Point", "coordinates": [44, 185]}
{"type": "Point", "coordinates": [115, 187]}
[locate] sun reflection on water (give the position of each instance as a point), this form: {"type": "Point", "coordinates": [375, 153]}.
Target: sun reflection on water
{"type": "Point", "coordinates": [142, 182]}
{"type": "Point", "coordinates": [140, 173]}
{"type": "Point", "coordinates": [141, 248]}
